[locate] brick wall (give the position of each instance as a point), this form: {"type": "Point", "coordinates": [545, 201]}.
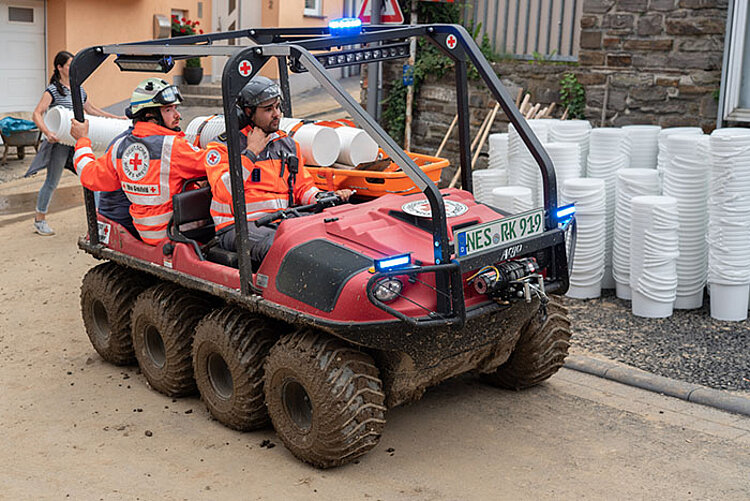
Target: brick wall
{"type": "Point", "coordinates": [657, 61]}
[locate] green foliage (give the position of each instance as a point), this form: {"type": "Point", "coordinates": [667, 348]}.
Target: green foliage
{"type": "Point", "coordinates": [539, 58]}
{"type": "Point", "coordinates": [715, 94]}
{"type": "Point", "coordinates": [193, 62]}
{"type": "Point", "coordinates": [573, 95]}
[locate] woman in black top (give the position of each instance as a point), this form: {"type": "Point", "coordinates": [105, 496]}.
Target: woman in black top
{"type": "Point", "coordinates": [57, 94]}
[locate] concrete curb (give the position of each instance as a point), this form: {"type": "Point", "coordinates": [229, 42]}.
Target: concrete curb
{"type": "Point", "coordinates": [645, 380]}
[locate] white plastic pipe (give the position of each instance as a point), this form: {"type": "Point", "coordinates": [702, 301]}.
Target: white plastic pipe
{"type": "Point", "coordinates": [214, 125]}
{"type": "Point", "coordinates": [356, 146]}
{"type": "Point", "coordinates": [101, 130]}
{"type": "Point", "coordinates": [319, 145]}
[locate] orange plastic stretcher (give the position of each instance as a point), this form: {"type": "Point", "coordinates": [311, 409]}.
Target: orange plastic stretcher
{"type": "Point", "coordinates": [374, 183]}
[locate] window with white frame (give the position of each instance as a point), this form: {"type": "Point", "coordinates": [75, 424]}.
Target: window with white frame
{"type": "Point", "coordinates": [313, 7]}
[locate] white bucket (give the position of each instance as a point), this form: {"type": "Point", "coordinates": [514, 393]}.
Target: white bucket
{"type": "Point", "coordinates": [648, 308]}
{"type": "Point", "coordinates": [206, 129]}
{"type": "Point", "coordinates": [585, 292]}
{"type": "Point", "coordinates": [623, 291]}
{"type": "Point", "coordinates": [101, 130]}
{"type": "Point", "coordinates": [729, 302]}
{"type": "Point", "coordinates": [689, 302]}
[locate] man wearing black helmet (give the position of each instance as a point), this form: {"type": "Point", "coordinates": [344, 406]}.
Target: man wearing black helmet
{"type": "Point", "coordinates": [270, 184]}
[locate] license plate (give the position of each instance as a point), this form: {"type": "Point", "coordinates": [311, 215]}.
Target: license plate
{"type": "Point", "coordinates": [498, 233]}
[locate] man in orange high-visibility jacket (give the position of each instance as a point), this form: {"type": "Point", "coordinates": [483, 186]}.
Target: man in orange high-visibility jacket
{"type": "Point", "coordinates": [150, 164]}
{"type": "Point", "coordinates": [267, 184]}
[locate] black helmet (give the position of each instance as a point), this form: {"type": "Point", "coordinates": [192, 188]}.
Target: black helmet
{"type": "Point", "coordinates": [258, 90]}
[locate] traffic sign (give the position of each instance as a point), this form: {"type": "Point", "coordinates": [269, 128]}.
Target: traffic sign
{"type": "Point", "coordinates": [391, 13]}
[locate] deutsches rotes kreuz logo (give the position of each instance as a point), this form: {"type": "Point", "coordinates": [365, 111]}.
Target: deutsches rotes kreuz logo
{"type": "Point", "coordinates": [135, 161]}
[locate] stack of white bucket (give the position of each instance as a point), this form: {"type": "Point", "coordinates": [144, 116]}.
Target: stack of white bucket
{"type": "Point", "coordinates": [498, 160]}
{"type": "Point", "coordinates": [686, 179]}
{"type": "Point", "coordinates": [630, 183]}
{"type": "Point", "coordinates": [523, 169]}
{"type": "Point", "coordinates": [573, 131]}
{"type": "Point", "coordinates": [587, 267]}
{"type": "Point", "coordinates": [485, 181]}
{"type": "Point", "coordinates": [729, 224]}
{"type": "Point", "coordinates": [642, 144]}
{"type": "Point", "coordinates": [512, 199]}
{"type": "Point", "coordinates": [101, 130]}
{"type": "Point", "coordinates": [663, 135]}
{"type": "Point", "coordinates": [607, 156]}
{"type": "Point", "coordinates": [653, 255]}
{"type": "Point", "coordinates": [566, 158]}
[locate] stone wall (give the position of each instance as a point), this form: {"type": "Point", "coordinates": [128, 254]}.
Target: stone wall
{"type": "Point", "coordinates": [652, 61]}
{"type": "Point", "coordinates": [641, 62]}
{"type": "Point", "coordinates": [435, 106]}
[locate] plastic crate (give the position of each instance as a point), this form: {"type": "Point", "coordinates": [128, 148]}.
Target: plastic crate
{"type": "Point", "coordinates": [378, 183]}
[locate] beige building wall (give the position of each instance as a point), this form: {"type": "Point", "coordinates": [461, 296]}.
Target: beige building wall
{"type": "Point", "coordinates": [76, 24]}
{"type": "Point", "coordinates": [291, 13]}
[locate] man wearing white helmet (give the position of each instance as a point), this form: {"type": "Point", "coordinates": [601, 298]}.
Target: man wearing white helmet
{"type": "Point", "coordinates": [149, 162]}
{"type": "Point", "coordinates": [272, 164]}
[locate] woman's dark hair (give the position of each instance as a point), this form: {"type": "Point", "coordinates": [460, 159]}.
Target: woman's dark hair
{"type": "Point", "coordinates": [60, 60]}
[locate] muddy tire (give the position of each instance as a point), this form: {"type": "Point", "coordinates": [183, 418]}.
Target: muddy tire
{"type": "Point", "coordinates": [163, 320]}
{"type": "Point", "coordinates": [325, 399]}
{"type": "Point", "coordinates": [108, 292]}
{"type": "Point", "coordinates": [540, 352]}
{"type": "Point", "coordinates": [229, 350]}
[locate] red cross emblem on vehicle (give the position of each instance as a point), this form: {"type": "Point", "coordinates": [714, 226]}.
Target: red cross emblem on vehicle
{"type": "Point", "coordinates": [245, 67]}
{"type": "Point", "coordinates": [451, 42]}
{"type": "Point", "coordinates": [135, 162]}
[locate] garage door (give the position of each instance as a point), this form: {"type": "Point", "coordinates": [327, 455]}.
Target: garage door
{"type": "Point", "coordinates": [22, 59]}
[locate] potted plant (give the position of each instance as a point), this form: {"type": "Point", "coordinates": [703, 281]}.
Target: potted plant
{"type": "Point", "coordinates": [192, 73]}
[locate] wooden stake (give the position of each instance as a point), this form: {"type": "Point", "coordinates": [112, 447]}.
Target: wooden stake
{"type": "Point", "coordinates": [518, 97]}
{"type": "Point", "coordinates": [483, 130]}
{"type": "Point", "coordinates": [533, 111]}
{"type": "Point", "coordinates": [565, 113]}
{"type": "Point", "coordinates": [525, 102]}
{"type": "Point", "coordinates": [550, 110]}
{"type": "Point", "coordinates": [542, 112]}
{"type": "Point", "coordinates": [447, 134]}
{"type": "Point", "coordinates": [484, 136]}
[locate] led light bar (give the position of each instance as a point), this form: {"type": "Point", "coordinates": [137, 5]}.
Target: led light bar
{"type": "Point", "coordinates": [158, 64]}
{"type": "Point", "coordinates": [565, 212]}
{"type": "Point", "coordinates": [393, 262]}
{"type": "Point", "coordinates": [340, 58]}
{"type": "Point", "coordinates": [345, 26]}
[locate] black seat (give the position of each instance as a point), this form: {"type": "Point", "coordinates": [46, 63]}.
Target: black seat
{"type": "Point", "coordinates": [192, 224]}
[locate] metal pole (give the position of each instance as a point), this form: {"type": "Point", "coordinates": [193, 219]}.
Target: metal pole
{"type": "Point", "coordinates": [410, 88]}
{"type": "Point", "coordinates": [373, 69]}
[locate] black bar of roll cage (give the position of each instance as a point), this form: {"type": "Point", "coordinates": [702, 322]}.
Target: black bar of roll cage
{"type": "Point", "coordinates": [296, 44]}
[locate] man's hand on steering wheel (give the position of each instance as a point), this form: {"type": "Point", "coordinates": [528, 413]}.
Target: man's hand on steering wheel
{"type": "Point", "coordinates": [344, 194]}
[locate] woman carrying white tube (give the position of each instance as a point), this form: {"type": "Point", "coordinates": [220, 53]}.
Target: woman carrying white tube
{"type": "Point", "coordinates": [56, 94]}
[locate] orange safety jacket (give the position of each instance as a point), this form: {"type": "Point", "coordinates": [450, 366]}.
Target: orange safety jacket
{"type": "Point", "coordinates": [150, 165]}
{"type": "Point", "coordinates": [266, 189]}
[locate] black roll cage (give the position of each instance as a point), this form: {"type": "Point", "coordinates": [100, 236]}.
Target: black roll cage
{"type": "Point", "coordinates": [293, 46]}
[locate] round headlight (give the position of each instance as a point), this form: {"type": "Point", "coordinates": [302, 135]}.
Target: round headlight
{"type": "Point", "coordinates": [387, 289]}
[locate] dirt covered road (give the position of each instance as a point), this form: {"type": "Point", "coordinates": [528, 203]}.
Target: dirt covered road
{"type": "Point", "coordinates": [74, 427]}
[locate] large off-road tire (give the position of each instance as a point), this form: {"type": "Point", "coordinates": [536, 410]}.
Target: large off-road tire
{"type": "Point", "coordinates": [325, 399]}
{"type": "Point", "coordinates": [540, 352]}
{"type": "Point", "coordinates": [163, 320]}
{"type": "Point", "coordinates": [229, 350]}
{"type": "Point", "coordinates": [108, 292]}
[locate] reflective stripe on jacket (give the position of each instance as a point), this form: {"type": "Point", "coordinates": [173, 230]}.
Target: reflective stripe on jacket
{"type": "Point", "coordinates": [266, 190]}
{"type": "Point", "coordinates": [150, 165]}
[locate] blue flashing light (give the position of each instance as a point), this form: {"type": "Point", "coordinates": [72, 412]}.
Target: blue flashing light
{"type": "Point", "coordinates": [393, 262]}
{"type": "Point", "coordinates": [566, 212]}
{"type": "Point", "coordinates": [345, 26]}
